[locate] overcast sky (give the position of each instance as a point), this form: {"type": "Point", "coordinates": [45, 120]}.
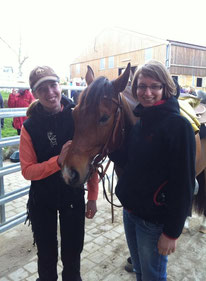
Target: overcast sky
{"type": "Point", "coordinates": [55, 32]}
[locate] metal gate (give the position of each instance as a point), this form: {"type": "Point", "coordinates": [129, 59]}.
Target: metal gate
{"type": "Point", "coordinates": [8, 197]}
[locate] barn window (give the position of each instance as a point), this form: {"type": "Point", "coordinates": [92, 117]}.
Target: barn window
{"type": "Point", "coordinates": [102, 63]}
{"type": "Point", "coordinates": [199, 82]}
{"type": "Point", "coordinates": [77, 68]}
{"type": "Point", "coordinates": [174, 77]}
{"type": "Point", "coordinates": [148, 54]}
{"type": "Point", "coordinates": [111, 62]}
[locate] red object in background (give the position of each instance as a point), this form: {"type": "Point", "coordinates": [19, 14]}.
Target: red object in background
{"type": "Point", "coordinates": [21, 99]}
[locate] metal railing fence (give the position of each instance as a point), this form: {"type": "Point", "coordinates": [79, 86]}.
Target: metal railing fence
{"type": "Point", "coordinates": [8, 197]}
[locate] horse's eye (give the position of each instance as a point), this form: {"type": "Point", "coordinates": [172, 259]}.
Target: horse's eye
{"type": "Point", "coordinates": [103, 119]}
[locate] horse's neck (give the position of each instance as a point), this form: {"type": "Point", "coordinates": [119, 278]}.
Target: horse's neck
{"type": "Point", "coordinates": [128, 108]}
{"type": "Point", "coordinates": [129, 121]}
{"type": "Point", "coordinates": [127, 93]}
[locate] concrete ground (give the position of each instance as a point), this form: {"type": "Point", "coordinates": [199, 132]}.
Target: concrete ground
{"type": "Point", "coordinates": [105, 250]}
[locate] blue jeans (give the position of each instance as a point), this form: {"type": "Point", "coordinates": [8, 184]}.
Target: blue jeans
{"type": "Point", "coordinates": [142, 238]}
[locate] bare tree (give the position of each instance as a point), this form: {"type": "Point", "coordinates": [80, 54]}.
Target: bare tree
{"type": "Point", "coordinates": [21, 60]}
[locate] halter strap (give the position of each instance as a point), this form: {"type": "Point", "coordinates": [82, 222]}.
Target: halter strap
{"type": "Point", "coordinates": [118, 121]}
{"type": "Point", "coordinates": [97, 163]}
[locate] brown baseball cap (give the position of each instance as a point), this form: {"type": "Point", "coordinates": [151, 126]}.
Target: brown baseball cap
{"type": "Point", "coordinates": [41, 74]}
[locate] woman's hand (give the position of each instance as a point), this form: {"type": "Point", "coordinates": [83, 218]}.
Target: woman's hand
{"type": "Point", "coordinates": [91, 209]}
{"type": "Point", "coordinates": [63, 153]}
{"type": "Point", "coordinates": [166, 246]}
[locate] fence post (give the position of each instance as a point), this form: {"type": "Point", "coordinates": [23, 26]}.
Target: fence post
{"type": "Point", "coordinates": [2, 207]}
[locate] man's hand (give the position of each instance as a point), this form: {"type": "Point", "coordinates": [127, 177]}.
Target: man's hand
{"type": "Point", "coordinates": [91, 209]}
{"type": "Point", "coordinates": [166, 246]}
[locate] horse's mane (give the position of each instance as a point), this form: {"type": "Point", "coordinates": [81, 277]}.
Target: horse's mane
{"type": "Point", "coordinates": [95, 92]}
{"type": "Point", "coordinates": [100, 88]}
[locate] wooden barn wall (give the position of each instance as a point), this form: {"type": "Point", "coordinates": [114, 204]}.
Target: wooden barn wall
{"type": "Point", "coordinates": [120, 61]}
{"type": "Point", "coordinates": [187, 71]}
{"type": "Point", "coordinates": [111, 42]}
{"type": "Point", "coordinates": [191, 80]}
{"type": "Point", "coordinates": [191, 61]}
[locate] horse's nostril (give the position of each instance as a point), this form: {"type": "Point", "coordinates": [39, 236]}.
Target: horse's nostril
{"type": "Point", "coordinates": [74, 176]}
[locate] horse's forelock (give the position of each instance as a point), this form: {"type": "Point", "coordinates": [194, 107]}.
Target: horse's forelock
{"type": "Point", "coordinates": [95, 92]}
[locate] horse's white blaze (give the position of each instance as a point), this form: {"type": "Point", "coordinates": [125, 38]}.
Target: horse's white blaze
{"type": "Point", "coordinates": [67, 174]}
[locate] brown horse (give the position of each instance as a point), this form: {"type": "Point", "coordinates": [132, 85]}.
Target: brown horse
{"type": "Point", "coordinates": [102, 118]}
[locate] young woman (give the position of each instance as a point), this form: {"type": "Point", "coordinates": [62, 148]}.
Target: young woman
{"type": "Point", "coordinates": [157, 185]}
{"type": "Point", "coordinates": [45, 139]}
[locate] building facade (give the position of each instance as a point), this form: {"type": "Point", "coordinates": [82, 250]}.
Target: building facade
{"type": "Point", "coordinates": [114, 48]}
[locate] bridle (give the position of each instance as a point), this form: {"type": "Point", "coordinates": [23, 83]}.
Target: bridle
{"type": "Point", "coordinates": [112, 140]}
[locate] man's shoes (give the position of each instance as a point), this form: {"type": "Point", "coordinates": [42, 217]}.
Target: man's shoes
{"type": "Point", "coordinates": [128, 267]}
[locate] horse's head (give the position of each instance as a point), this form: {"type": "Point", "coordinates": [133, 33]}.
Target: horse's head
{"type": "Point", "coordinates": [97, 125]}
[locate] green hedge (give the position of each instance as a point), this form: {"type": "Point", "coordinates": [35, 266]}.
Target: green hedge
{"type": "Point", "coordinates": [8, 130]}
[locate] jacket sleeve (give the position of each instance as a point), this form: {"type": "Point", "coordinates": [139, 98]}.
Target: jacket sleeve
{"type": "Point", "coordinates": [31, 169]}
{"type": "Point", "coordinates": [181, 182]}
{"type": "Point", "coordinates": [12, 100]}
{"type": "Point", "coordinates": [1, 101]}
{"type": "Point", "coordinates": [93, 187]}
{"type": "Point", "coordinates": [31, 98]}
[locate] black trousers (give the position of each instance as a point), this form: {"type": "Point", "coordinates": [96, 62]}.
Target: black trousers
{"type": "Point", "coordinates": [44, 227]}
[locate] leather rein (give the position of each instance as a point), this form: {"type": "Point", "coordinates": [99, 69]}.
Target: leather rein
{"type": "Point", "coordinates": [112, 140]}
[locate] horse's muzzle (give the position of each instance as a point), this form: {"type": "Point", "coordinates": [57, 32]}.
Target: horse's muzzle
{"type": "Point", "coordinates": [71, 176]}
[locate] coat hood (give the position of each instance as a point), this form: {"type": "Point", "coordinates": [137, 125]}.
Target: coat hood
{"type": "Point", "coordinates": [170, 105]}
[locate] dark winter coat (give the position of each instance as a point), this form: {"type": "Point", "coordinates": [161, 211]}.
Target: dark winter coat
{"type": "Point", "coordinates": [158, 181]}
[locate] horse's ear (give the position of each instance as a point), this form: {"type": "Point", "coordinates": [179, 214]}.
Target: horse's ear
{"type": "Point", "coordinates": [121, 82]}
{"type": "Point", "coordinates": [131, 75]}
{"type": "Point", "coordinates": [89, 75]}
